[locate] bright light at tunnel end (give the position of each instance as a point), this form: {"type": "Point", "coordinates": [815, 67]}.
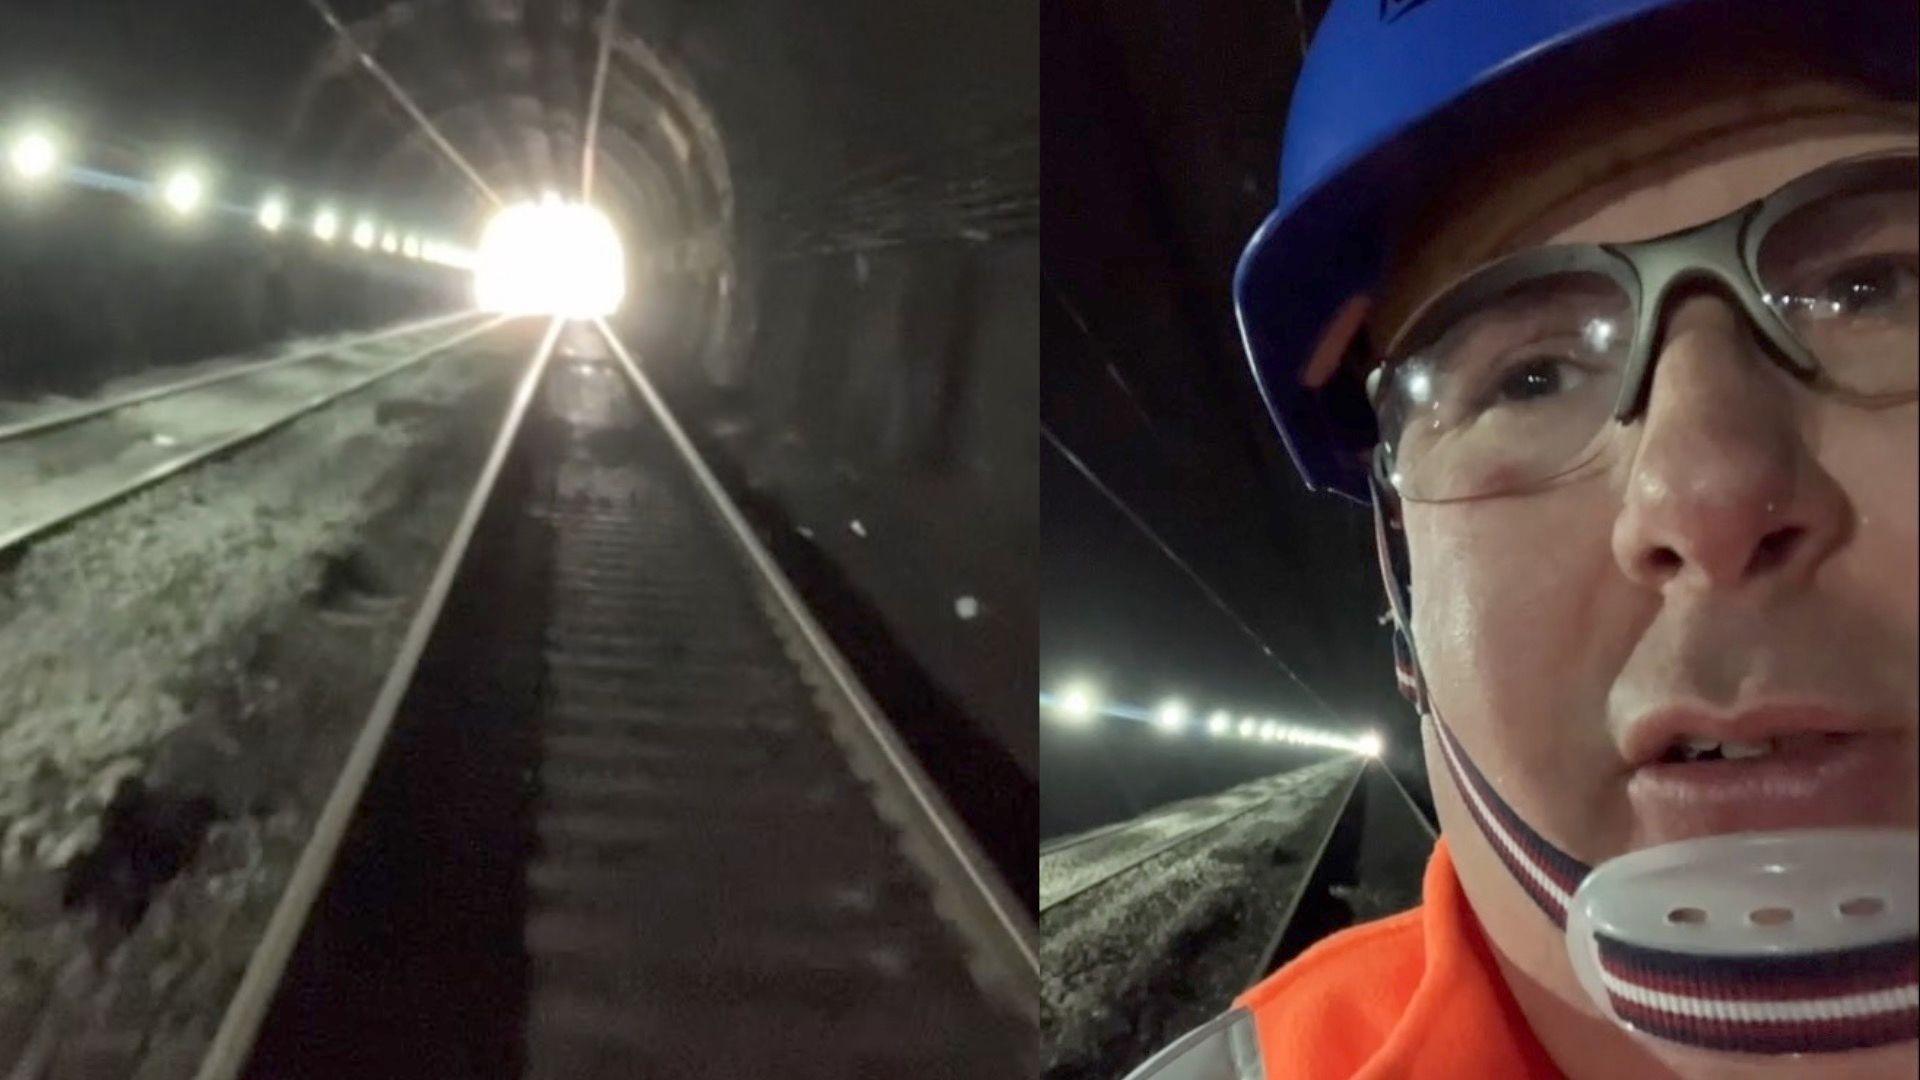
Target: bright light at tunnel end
{"type": "Point", "coordinates": [550, 258]}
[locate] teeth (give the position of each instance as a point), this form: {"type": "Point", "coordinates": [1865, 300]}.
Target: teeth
{"type": "Point", "coordinates": [1693, 747]}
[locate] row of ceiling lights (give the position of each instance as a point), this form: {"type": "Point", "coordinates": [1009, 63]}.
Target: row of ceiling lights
{"type": "Point", "coordinates": [34, 156]}
{"type": "Point", "coordinates": [1080, 704]}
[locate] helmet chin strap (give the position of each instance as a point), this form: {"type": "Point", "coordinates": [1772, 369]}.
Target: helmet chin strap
{"type": "Point", "coordinates": [1665, 940]}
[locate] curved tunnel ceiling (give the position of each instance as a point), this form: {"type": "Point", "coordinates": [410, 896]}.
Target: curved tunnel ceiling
{"type": "Point", "coordinates": [845, 189]}
{"type": "Point", "coordinates": [508, 86]}
{"type": "Point", "coordinates": [815, 126]}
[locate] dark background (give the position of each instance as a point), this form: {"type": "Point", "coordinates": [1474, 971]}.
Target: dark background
{"type": "Point", "coordinates": [831, 211]}
{"type": "Point", "coordinates": [1160, 149]}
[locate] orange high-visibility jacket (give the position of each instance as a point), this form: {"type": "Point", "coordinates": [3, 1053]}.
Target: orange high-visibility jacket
{"type": "Point", "coordinates": [1416, 996]}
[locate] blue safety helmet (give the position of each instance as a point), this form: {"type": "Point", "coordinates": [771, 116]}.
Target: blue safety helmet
{"type": "Point", "coordinates": [1397, 94]}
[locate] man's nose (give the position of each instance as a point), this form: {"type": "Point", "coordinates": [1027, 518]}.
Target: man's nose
{"type": "Point", "coordinates": [1724, 491]}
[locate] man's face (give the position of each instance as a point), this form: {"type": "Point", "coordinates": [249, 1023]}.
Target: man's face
{"type": "Point", "coordinates": [1750, 547]}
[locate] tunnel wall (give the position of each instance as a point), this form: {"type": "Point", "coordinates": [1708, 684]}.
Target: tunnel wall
{"type": "Point", "coordinates": [856, 340]}
{"type": "Point", "coordinates": [94, 286]}
{"type": "Point", "coordinates": [832, 210]}
{"type": "Point", "coordinates": [884, 400]}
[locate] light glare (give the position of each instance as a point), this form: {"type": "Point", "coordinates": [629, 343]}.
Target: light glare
{"type": "Point", "coordinates": [33, 155]}
{"type": "Point", "coordinates": [183, 191]}
{"type": "Point", "coordinates": [550, 258]}
{"type": "Point", "coordinates": [273, 213]}
{"type": "Point", "coordinates": [1218, 723]}
{"type": "Point", "coordinates": [363, 234]}
{"type": "Point", "coordinates": [326, 226]}
{"type": "Point", "coordinates": [1172, 717]}
{"type": "Point", "coordinates": [1078, 703]}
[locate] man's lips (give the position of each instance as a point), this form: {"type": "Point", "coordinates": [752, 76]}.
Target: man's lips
{"type": "Point", "coordinates": [1650, 736]}
{"type": "Point", "coordinates": [1849, 779]}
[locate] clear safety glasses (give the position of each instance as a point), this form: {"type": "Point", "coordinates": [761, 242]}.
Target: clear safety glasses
{"type": "Point", "coordinates": [1512, 377]}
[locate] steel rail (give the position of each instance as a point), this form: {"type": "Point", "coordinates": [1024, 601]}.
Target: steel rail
{"type": "Point", "coordinates": [233, 1042]}
{"type": "Point", "coordinates": [962, 870]}
{"type": "Point", "coordinates": [35, 425]}
{"type": "Point", "coordinates": [1162, 848]}
{"type": "Point", "coordinates": [1433, 833]}
{"type": "Point", "coordinates": [1068, 843]}
{"type": "Point", "coordinates": [1074, 840]}
{"type": "Point", "coordinates": [1265, 962]}
{"type": "Point", "coordinates": [19, 534]}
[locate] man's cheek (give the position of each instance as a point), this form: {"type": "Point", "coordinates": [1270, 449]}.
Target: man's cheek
{"type": "Point", "coordinates": [1489, 621]}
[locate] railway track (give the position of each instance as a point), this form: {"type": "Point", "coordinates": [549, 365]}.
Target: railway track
{"type": "Point", "coordinates": [64, 464]}
{"type": "Point", "coordinates": [1081, 863]}
{"type": "Point", "coordinates": [733, 867]}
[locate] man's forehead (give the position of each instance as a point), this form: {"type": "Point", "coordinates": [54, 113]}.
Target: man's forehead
{"type": "Point", "coordinates": [1714, 178]}
{"type": "Point", "coordinates": [1644, 167]}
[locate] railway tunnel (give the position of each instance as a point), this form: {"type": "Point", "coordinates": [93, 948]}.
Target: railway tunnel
{"type": "Point", "coordinates": [829, 215]}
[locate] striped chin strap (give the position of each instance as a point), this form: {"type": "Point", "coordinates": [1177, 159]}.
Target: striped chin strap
{"type": "Point", "coordinates": [1546, 874]}
{"type": "Point", "coordinates": [1662, 939]}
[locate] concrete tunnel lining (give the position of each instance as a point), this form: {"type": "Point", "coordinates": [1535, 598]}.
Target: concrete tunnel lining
{"type": "Point", "coordinates": [837, 282]}
{"type": "Point", "coordinates": [839, 206]}
{"type": "Point", "coordinates": [833, 185]}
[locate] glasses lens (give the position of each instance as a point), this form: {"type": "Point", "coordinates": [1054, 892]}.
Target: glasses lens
{"type": "Point", "coordinates": [1509, 390]}
{"type": "Point", "coordinates": [1843, 274]}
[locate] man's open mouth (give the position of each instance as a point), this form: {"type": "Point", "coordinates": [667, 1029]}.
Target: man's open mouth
{"type": "Point", "coordinates": [1703, 787]}
{"type": "Point", "coordinates": [1699, 748]}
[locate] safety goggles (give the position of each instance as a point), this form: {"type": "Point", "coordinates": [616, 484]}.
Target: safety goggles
{"type": "Point", "coordinates": [1521, 373]}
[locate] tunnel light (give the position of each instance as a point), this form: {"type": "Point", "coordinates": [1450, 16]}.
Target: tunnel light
{"type": "Point", "coordinates": [1248, 727]}
{"type": "Point", "coordinates": [1076, 703]}
{"type": "Point", "coordinates": [550, 258]}
{"type": "Point", "coordinates": [389, 243]}
{"type": "Point", "coordinates": [1218, 723]}
{"type": "Point", "coordinates": [363, 234]}
{"type": "Point", "coordinates": [452, 256]}
{"type": "Point", "coordinates": [1371, 745]}
{"type": "Point", "coordinates": [33, 155]}
{"type": "Point", "coordinates": [1171, 717]}
{"type": "Point", "coordinates": [410, 247]}
{"type": "Point", "coordinates": [326, 225]}
{"type": "Point", "coordinates": [273, 213]}
{"type": "Point", "coordinates": [183, 191]}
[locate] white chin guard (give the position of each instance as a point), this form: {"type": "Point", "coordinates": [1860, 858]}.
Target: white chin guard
{"type": "Point", "coordinates": [1767, 945]}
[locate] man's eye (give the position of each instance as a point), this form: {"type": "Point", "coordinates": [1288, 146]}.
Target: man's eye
{"type": "Point", "coordinates": [1531, 380]}
{"type": "Point", "coordinates": [1863, 287]}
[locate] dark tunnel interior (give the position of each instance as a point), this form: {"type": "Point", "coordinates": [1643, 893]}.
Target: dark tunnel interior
{"type": "Point", "coordinates": [830, 213]}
